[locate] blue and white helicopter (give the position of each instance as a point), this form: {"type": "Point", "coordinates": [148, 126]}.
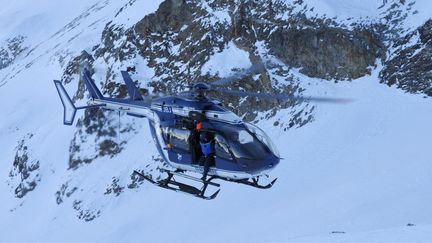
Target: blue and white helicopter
{"type": "Point", "coordinates": [243, 152]}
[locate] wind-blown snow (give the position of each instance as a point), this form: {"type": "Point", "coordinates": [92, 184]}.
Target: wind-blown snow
{"type": "Point", "coordinates": [423, 12]}
{"type": "Point", "coordinates": [361, 170]}
{"type": "Point", "coordinates": [343, 10]}
{"type": "Point", "coordinates": [360, 10]}
{"type": "Point", "coordinates": [224, 62]}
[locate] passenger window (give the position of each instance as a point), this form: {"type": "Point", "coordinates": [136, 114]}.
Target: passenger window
{"type": "Point", "coordinates": [178, 138]}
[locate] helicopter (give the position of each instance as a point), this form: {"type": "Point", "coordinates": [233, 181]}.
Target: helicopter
{"type": "Point", "coordinates": [244, 153]}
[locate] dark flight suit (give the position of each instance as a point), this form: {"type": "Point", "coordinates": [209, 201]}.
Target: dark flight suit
{"type": "Point", "coordinates": [208, 157]}
{"type": "Point", "coordinates": [195, 146]}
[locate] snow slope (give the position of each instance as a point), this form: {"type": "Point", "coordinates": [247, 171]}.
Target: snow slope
{"type": "Point", "coordinates": [360, 170]}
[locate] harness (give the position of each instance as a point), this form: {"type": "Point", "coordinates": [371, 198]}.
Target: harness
{"type": "Point", "coordinates": [207, 148]}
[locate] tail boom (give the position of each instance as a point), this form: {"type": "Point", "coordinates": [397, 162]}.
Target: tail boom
{"type": "Point", "coordinates": [132, 108]}
{"type": "Point", "coordinates": [135, 106]}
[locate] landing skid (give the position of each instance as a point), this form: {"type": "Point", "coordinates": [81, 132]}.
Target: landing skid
{"type": "Point", "coordinates": [254, 182]}
{"type": "Point", "coordinates": [170, 183]}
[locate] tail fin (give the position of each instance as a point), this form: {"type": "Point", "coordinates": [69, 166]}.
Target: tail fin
{"type": "Point", "coordinates": [133, 91]}
{"type": "Point", "coordinates": [91, 86]}
{"type": "Point", "coordinates": [68, 106]}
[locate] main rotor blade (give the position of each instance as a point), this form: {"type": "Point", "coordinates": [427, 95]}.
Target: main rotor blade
{"type": "Point", "coordinates": [254, 69]}
{"type": "Point", "coordinates": [282, 96]}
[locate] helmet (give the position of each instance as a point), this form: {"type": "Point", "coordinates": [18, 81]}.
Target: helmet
{"type": "Point", "coordinates": [205, 137]}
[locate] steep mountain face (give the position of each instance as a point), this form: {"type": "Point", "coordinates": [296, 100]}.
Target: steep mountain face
{"type": "Point", "coordinates": [409, 66]}
{"type": "Point", "coordinates": [179, 39]}
{"type": "Point", "coordinates": [325, 48]}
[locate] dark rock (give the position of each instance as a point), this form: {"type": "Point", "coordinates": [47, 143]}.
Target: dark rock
{"type": "Point", "coordinates": [410, 66]}
{"type": "Point", "coordinates": [108, 147]}
{"type": "Point", "coordinates": [136, 180]}
{"type": "Point", "coordinates": [85, 214]}
{"type": "Point", "coordinates": [25, 169]}
{"type": "Point", "coordinates": [114, 188]}
{"type": "Point", "coordinates": [96, 123]}
{"type": "Point", "coordinates": [64, 191]}
{"type": "Point", "coordinates": [13, 47]}
{"type": "Point", "coordinates": [328, 52]}
{"type": "Point", "coordinates": [170, 16]}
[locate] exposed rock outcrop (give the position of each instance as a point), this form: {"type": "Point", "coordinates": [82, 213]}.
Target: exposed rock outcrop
{"type": "Point", "coordinates": [12, 48]}
{"type": "Point", "coordinates": [410, 66]}
{"type": "Point", "coordinates": [24, 175]}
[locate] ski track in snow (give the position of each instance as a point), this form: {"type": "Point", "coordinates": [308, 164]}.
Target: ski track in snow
{"type": "Point", "coordinates": [360, 170]}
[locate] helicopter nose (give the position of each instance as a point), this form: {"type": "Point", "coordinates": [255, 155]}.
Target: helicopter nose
{"type": "Point", "coordinates": [257, 166]}
{"type": "Point", "coordinates": [263, 165]}
{"type": "Point", "coordinates": [270, 163]}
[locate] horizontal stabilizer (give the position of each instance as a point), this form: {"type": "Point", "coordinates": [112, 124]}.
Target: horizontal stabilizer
{"type": "Point", "coordinates": [68, 106]}
{"type": "Point", "coordinates": [133, 91]}
{"type": "Point", "coordinates": [91, 86]}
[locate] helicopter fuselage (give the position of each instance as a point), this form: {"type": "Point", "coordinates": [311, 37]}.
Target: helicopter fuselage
{"type": "Point", "coordinates": [239, 152]}
{"type": "Point", "coordinates": [242, 149]}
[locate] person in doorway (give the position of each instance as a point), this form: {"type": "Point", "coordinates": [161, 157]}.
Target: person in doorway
{"type": "Point", "coordinates": [194, 144]}
{"type": "Point", "coordinates": [208, 151]}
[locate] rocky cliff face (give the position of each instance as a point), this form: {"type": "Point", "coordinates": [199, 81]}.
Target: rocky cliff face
{"type": "Point", "coordinates": [409, 67]}
{"type": "Point", "coordinates": [11, 49]}
{"type": "Point", "coordinates": [181, 37]}
{"type": "Point", "coordinates": [24, 175]}
{"type": "Point", "coordinates": [329, 52]}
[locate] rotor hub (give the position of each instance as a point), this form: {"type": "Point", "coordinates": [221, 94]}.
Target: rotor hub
{"type": "Point", "coordinates": [199, 89]}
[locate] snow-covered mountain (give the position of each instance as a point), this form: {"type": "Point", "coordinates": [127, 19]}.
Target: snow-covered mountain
{"type": "Point", "coordinates": [359, 172]}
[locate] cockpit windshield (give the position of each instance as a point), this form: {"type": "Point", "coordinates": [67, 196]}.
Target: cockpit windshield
{"type": "Point", "coordinates": [262, 136]}
{"type": "Point", "coordinates": [241, 142]}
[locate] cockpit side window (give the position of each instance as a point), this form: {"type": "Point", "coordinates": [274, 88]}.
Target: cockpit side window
{"type": "Point", "coordinates": [222, 149]}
